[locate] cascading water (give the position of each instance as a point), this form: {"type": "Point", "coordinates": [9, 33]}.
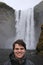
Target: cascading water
{"type": "Point", "coordinates": [25, 27]}
{"type": "Point", "coordinates": [21, 27]}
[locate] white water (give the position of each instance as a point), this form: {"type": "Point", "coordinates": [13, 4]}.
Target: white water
{"type": "Point", "coordinates": [25, 27]}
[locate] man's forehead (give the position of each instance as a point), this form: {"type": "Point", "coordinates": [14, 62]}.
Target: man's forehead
{"type": "Point", "coordinates": [18, 45]}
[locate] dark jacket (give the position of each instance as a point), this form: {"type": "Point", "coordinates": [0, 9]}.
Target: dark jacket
{"type": "Point", "coordinates": [13, 61]}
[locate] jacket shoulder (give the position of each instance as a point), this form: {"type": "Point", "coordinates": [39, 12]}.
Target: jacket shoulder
{"type": "Point", "coordinates": [7, 62]}
{"type": "Point", "coordinates": [29, 62]}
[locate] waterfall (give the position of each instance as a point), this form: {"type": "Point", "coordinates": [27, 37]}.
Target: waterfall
{"type": "Point", "coordinates": [25, 27]}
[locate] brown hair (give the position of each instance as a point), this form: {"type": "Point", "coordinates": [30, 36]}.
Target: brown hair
{"type": "Point", "coordinates": [20, 42]}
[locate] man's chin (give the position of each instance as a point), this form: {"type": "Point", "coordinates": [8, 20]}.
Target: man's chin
{"type": "Point", "coordinates": [19, 57]}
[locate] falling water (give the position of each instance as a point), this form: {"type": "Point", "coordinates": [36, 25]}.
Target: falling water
{"type": "Point", "coordinates": [25, 27]}
{"type": "Point", "coordinates": [20, 28]}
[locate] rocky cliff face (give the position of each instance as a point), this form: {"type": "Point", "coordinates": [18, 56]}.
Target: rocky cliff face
{"type": "Point", "coordinates": [40, 43]}
{"type": "Point", "coordinates": [7, 24]}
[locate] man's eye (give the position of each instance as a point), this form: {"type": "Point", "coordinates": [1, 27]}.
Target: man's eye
{"type": "Point", "coordinates": [22, 48]}
{"type": "Point", "coordinates": [17, 49]}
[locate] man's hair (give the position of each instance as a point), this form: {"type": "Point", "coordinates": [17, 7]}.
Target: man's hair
{"type": "Point", "coordinates": [19, 42]}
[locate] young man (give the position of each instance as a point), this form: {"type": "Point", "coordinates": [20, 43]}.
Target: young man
{"type": "Point", "coordinates": [18, 56]}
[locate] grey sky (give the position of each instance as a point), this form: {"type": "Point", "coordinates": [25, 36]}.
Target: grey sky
{"type": "Point", "coordinates": [21, 4]}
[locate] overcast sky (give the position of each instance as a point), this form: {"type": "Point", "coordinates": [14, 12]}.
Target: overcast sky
{"type": "Point", "coordinates": [21, 4]}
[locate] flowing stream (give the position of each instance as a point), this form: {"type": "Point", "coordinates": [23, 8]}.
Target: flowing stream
{"type": "Point", "coordinates": [25, 27]}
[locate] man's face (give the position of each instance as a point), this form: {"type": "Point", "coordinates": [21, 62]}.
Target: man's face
{"type": "Point", "coordinates": [19, 51]}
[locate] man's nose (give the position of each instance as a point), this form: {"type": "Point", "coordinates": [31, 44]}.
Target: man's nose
{"type": "Point", "coordinates": [19, 50]}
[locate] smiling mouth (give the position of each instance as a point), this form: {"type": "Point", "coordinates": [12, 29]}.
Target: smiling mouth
{"type": "Point", "coordinates": [19, 53]}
